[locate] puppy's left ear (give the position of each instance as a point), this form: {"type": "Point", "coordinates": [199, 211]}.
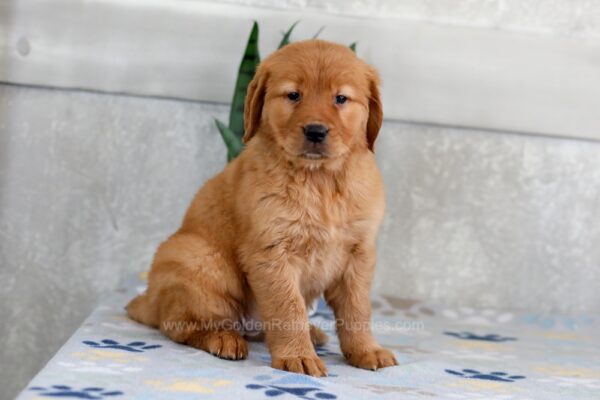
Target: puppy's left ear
{"type": "Point", "coordinates": [375, 108]}
{"type": "Point", "coordinates": [255, 98]}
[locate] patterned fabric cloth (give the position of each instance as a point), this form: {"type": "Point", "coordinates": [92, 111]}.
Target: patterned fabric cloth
{"type": "Point", "coordinates": [443, 353]}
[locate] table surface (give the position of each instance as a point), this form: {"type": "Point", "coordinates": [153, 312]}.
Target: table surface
{"type": "Point", "coordinates": [450, 353]}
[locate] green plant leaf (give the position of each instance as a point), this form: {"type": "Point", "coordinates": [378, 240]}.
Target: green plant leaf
{"type": "Point", "coordinates": [246, 72]}
{"type": "Point", "coordinates": [286, 36]}
{"type": "Point", "coordinates": [232, 141]}
{"type": "Point", "coordinates": [316, 35]}
{"type": "Point", "coordinates": [353, 47]}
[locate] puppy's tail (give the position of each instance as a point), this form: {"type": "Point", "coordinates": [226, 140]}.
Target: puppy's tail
{"type": "Point", "coordinates": [139, 309]}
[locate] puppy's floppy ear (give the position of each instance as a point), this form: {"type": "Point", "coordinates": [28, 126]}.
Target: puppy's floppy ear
{"type": "Point", "coordinates": [375, 108]}
{"type": "Point", "coordinates": [255, 98]}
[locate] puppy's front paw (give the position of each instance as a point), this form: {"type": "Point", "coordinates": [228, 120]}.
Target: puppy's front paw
{"type": "Point", "coordinates": [311, 365]}
{"type": "Point", "coordinates": [372, 359]}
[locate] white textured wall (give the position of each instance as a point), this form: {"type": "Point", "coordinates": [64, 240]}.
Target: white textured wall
{"type": "Point", "coordinates": [572, 17]}
{"type": "Point", "coordinates": [90, 183]}
{"type": "Point", "coordinates": [490, 219]}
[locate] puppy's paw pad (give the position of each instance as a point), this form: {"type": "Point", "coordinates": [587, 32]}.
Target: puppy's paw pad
{"type": "Point", "coordinates": [301, 365]}
{"type": "Point", "coordinates": [229, 345]}
{"type": "Point", "coordinates": [372, 359]}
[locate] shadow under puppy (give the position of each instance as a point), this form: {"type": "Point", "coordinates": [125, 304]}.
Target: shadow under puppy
{"type": "Point", "coordinates": [294, 216]}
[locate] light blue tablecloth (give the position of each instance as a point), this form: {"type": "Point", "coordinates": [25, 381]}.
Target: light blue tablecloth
{"type": "Point", "coordinates": [443, 353]}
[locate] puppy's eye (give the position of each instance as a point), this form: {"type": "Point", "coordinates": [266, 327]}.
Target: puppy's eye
{"type": "Point", "coordinates": [340, 99]}
{"type": "Point", "coordinates": [294, 96]}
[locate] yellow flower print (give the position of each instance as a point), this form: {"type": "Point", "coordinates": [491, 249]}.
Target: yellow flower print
{"type": "Point", "coordinates": [196, 385]}
{"type": "Point", "coordinates": [108, 355]}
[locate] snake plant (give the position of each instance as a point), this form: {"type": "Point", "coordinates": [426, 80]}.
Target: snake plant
{"type": "Point", "coordinates": [232, 134]}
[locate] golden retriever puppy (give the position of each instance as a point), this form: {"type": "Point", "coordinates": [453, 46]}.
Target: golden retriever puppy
{"type": "Point", "coordinates": [294, 216]}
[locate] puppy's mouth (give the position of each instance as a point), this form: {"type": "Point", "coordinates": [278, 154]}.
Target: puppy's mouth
{"type": "Point", "coordinates": [311, 155]}
{"type": "Point", "coordinates": [314, 151]}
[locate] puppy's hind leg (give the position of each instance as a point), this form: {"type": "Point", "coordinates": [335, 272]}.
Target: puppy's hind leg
{"type": "Point", "coordinates": [194, 297]}
{"type": "Point", "coordinates": [317, 336]}
{"type": "Point", "coordinates": [215, 334]}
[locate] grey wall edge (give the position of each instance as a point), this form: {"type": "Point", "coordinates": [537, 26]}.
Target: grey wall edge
{"type": "Point", "coordinates": [432, 73]}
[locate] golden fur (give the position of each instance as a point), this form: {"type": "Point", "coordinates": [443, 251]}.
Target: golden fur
{"type": "Point", "coordinates": [279, 226]}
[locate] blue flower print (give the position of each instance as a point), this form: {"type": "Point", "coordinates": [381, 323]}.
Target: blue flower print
{"type": "Point", "coordinates": [557, 321]}
{"type": "Point", "coordinates": [490, 337]}
{"type": "Point", "coordinates": [323, 351]}
{"type": "Point", "coordinates": [69, 392]}
{"type": "Point", "coordinates": [492, 376]}
{"type": "Point", "coordinates": [134, 347]}
{"type": "Point", "coordinates": [297, 385]}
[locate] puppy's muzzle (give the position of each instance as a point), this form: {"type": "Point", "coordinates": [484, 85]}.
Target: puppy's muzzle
{"type": "Point", "coordinates": [315, 133]}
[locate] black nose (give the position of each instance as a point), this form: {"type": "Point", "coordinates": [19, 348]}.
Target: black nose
{"type": "Point", "coordinates": [315, 133]}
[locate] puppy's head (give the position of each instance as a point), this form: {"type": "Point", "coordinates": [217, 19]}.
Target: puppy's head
{"type": "Point", "coordinates": [316, 100]}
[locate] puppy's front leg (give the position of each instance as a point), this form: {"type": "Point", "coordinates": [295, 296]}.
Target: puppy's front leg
{"type": "Point", "coordinates": [283, 312]}
{"type": "Point", "coordinates": [349, 298]}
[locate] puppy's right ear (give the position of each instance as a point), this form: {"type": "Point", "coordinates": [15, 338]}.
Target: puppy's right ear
{"type": "Point", "coordinates": [255, 98]}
